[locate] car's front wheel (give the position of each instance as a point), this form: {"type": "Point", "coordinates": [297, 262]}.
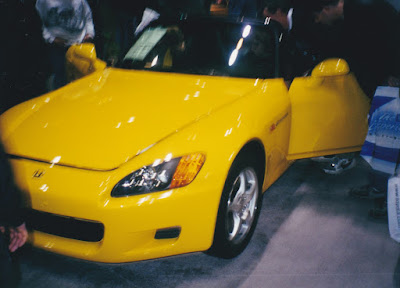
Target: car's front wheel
{"type": "Point", "coordinates": [238, 210]}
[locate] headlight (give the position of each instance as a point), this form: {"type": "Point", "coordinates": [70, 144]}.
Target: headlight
{"type": "Point", "coordinates": [174, 173]}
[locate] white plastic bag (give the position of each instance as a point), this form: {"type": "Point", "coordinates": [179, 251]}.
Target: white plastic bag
{"type": "Point", "coordinates": [149, 15]}
{"type": "Point", "coordinates": [393, 207]}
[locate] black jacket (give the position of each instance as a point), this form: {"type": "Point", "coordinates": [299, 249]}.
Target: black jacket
{"type": "Point", "coordinates": [11, 213]}
{"type": "Point", "coordinates": [372, 39]}
{"type": "Point", "coordinates": [298, 52]}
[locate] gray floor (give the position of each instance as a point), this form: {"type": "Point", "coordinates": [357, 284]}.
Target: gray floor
{"type": "Point", "coordinates": [310, 234]}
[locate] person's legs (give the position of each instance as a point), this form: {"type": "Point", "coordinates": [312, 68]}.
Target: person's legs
{"type": "Point", "coordinates": [376, 188]}
{"type": "Point", "coordinates": [57, 64]}
{"type": "Point", "coordinates": [6, 265]}
{"type": "Point", "coordinates": [379, 181]}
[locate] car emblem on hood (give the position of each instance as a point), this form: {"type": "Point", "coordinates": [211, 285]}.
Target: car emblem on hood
{"type": "Point", "coordinates": [38, 173]}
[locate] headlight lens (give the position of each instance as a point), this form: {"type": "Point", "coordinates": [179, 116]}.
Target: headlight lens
{"type": "Point", "coordinates": [175, 173]}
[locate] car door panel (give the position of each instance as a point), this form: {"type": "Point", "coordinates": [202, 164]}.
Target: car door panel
{"type": "Point", "coordinates": [329, 112]}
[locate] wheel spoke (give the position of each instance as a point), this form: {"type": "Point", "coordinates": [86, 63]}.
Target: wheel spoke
{"type": "Point", "coordinates": [249, 199]}
{"type": "Point", "coordinates": [242, 205]}
{"type": "Point", "coordinates": [241, 190]}
{"type": "Point", "coordinates": [236, 223]}
{"type": "Point", "coordinates": [234, 205]}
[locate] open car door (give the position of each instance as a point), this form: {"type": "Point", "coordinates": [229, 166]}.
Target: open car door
{"type": "Point", "coordinates": [329, 112]}
{"type": "Point", "coordinates": [82, 60]}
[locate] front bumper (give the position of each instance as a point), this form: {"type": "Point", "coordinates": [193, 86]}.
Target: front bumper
{"type": "Point", "coordinates": [185, 217]}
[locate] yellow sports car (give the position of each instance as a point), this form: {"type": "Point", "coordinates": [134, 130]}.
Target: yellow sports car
{"type": "Point", "coordinates": [170, 151]}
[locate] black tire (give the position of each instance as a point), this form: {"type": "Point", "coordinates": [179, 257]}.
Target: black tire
{"type": "Point", "coordinates": [239, 208]}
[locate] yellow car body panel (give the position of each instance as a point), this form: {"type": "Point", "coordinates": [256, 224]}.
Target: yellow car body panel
{"type": "Point", "coordinates": [69, 149]}
{"type": "Point", "coordinates": [99, 139]}
{"type": "Point", "coordinates": [338, 120]}
{"type": "Point", "coordinates": [194, 207]}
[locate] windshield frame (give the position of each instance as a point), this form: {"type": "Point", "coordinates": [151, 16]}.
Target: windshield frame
{"type": "Point", "coordinates": [272, 26]}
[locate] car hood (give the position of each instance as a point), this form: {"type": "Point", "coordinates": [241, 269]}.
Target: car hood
{"type": "Point", "coordinates": [105, 119]}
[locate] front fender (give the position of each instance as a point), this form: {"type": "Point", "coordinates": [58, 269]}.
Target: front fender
{"type": "Point", "coordinates": [263, 116]}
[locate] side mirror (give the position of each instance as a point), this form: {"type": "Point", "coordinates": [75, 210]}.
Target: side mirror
{"type": "Point", "coordinates": [82, 60]}
{"type": "Point", "coordinates": [84, 50]}
{"type": "Point", "coordinates": [331, 67]}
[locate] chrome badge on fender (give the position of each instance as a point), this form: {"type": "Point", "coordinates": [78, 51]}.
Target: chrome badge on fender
{"type": "Point", "coordinates": [38, 173]}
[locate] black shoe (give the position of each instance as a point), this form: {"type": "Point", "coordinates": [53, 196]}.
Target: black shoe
{"type": "Point", "coordinates": [366, 192]}
{"type": "Point", "coordinates": [378, 214]}
{"type": "Point", "coordinates": [339, 165]}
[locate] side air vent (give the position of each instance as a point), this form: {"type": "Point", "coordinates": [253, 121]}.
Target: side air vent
{"type": "Point", "coordinates": [168, 233]}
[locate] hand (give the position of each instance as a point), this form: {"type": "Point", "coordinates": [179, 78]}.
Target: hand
{"type": "Point", "coordinates": [18, 237]}
{"type": "Point", "coordinates": [60, 41]}
{"type": "Point", "coordinates": [87, 38]}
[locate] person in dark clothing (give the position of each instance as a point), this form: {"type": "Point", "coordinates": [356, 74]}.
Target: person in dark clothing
{"type": "Point", "coordinates": [394, 79]}
{"type": "Point", "coordinates": [22, 69]}
{"type": "Point", "coordinates": [258, 60]}
{"type": "Point", "coordinates": [279, 10]}
{"type": "Point", "coordinates": [64, 23]}
{"type": "Point", "coordinates": [297, 54]}
{"type": "Point", "coordinates": [395, 4]}
{"type": "Point", "coordinates": [13, 232]}
{"type": "Point", "coordinates": [365, 33]}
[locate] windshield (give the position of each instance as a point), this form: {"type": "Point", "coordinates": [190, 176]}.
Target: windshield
{"type": "Point", "coordinates": [205, 48]}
